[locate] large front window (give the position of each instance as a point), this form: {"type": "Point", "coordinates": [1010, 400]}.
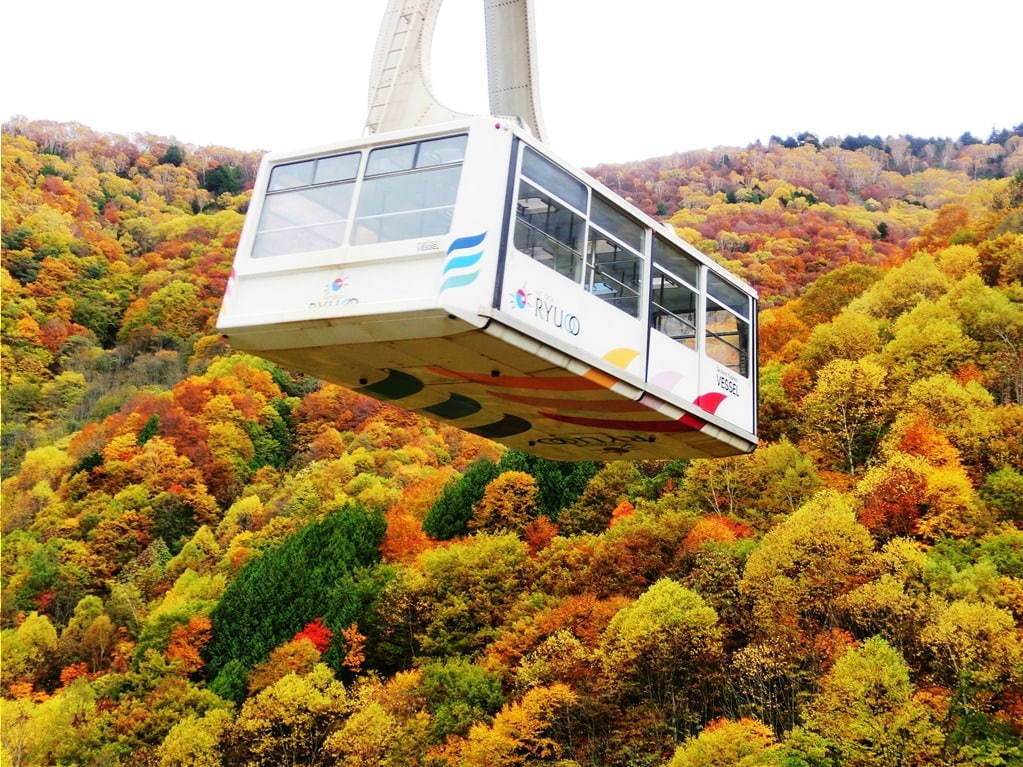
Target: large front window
{"type": "Point", "coordinates": [307, 206]}
{"type": "Point", "coordinates": [409, 191]}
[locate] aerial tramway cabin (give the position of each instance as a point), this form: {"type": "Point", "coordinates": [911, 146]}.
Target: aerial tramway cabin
{"type": "Point", "coordinates": [463, 271]}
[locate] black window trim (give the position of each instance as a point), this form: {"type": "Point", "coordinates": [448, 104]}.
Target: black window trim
{"type": "Point", "coordinates": [549, 193]}
{"type": "Point", "coordinates": [586, 187]}
{"type": "Point", "coordinates": [700, 266]}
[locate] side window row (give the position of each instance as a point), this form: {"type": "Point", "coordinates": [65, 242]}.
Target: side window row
{"type": "Point", "coordinates": [552, 211]}
{"type": "Point", "coordinates": [407, 191]}
{"type": "Point", "coordinates": [561, 223]}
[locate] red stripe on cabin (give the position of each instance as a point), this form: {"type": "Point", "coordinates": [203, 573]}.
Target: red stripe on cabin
{"type": "Point", "coordinates": [603, 405]}
{"type": "Point", "coordinates": [710, 401]}
{"type": "Point", "coordinates": [561, 383]}
{"type": "Point", "coordinates": [685, 423]}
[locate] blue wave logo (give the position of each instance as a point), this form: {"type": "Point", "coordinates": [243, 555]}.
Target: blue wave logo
{"type": "Point", "coordinates": [458, 266]}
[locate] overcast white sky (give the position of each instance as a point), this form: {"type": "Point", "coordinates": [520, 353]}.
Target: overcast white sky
{"type": "Point", "coordinates": [619, 80]}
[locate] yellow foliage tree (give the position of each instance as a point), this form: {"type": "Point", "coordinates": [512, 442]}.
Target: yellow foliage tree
{"type": "Point", "coordinates": [519, 734]}
{"type": "Point", "coordinates": [288, 721]}
{"type": "Point", "coordinates": [803, 565]}
{"type": "Point", "coordinates": [195, 741]}
{"type": "Point", "coordinates": [845, 413]}
{"type": "Point", "coordinates": [508, 503]}
{"type": "Point", "coordinates": [725, 743]}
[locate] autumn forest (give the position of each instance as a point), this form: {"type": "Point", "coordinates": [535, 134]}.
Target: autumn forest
{"type": "Point", "coordinates": [209, 560]}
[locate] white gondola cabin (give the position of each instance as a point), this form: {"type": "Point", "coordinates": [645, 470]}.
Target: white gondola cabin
{"type": "Point", "coordinates": [462, 271]}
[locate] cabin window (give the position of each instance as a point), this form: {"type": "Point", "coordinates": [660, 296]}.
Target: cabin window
{"type": "Point", "coordinates": [409, 191]}
{"type": "Point", "coordinates": [727, 325]}
{"type": "Point", "coordinates": [292, 175]}
{"type": "Point", "coordinates": [554, 179]}
{"type": "Point", "coordinates": [613, 272]}
{"type": "Point", "coordinates": [617, 223]}
{"type": "Point", "coordinates": [441, 151]}
{"type": "Point", "coordinates": [673, 308]}
{"type": "Point", "coordinates": [727, 295]}
{"type": "Point", "coordinates": [307, 206]}
{"type": "Point", "coordinates": [340, 168]}
{"type": "Point", "coordinates": [549, 231]}
{"type": "Point", "coordinates": [675, 261]}
{"type": "Point", "coordinates": [727, 328]}
{"type": "Point", "coordinates": [550, 218]}
{"type": "Point", "coordinates": [391, 159]}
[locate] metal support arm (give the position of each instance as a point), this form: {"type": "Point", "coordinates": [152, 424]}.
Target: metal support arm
{"type": "Point", "coordinates": [400, 95]}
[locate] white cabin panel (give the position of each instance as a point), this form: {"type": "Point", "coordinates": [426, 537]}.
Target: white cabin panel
{"type": "Point", "coordinates": [673, 367]}
{"type": "Point", "coordinates": [333, 291]}
{"type": "Point", "coordinates": [571, 318]}
{"type": "Point", "coordinates": [465, 282]}
{"type": "Point", "coordinates": [727, 394]}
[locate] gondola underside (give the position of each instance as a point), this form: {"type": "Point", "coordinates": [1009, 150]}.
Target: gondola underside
{"type": "Point", "coordinates": [498, 383]}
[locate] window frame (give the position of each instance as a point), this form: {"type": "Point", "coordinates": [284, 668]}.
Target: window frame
{"type": "Point", "coordinates": [582, 215]}
{"type": "Point", "coordinates": [590, 266]}
{"type": "Point", "coordinates": [719, 301]}
{"type": "Point", "coordinates": [364, 177]}
{"type": "Point", "coordinates": [270, 193]}
{"type": "Point", "coordinates": [697, 307]}
{"type": "Point", "coordinates": [578, 256]}
{"type": "Point", "coordinates": [587, 264]}
{"type": "Point", "coordinates": [747, 321]}
{"type": "Point", "coordinates": [418, 144]}
{"type": "Point", "coordinates": [697, 289]}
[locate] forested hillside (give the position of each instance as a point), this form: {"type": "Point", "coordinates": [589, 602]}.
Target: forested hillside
{"type": "Point", "coordinates": [208, 560]}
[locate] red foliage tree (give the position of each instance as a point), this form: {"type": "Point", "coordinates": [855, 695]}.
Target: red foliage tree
{"type": "Point", "coordinates": [317, 633]}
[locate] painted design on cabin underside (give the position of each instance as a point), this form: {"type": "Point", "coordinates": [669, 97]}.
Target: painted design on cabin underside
{"type": "Point", "coordinates": [398, 384]}
{"type": "Point", "coordinates": [710, 401]}
{"type": "Point", "coordinates": [562, 399]}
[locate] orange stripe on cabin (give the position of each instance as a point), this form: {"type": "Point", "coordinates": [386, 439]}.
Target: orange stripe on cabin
{"type": "Point", "coordinates": [560, 383]}
{"type": "Point", "coordinates": [600, 406]}
{"type": "Point", "coordinates": [605, 381]}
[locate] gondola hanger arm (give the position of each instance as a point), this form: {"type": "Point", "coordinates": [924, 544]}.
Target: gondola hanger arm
{"type": "Point", "coordinates": [400, 92]}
